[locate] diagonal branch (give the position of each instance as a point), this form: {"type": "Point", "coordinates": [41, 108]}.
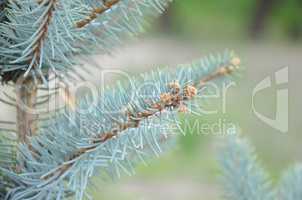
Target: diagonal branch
{"type": "Point", "coordinates": [175, 99]}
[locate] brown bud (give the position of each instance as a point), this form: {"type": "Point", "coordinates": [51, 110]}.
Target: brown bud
{"type": "Point", "coordinates": [174, 85]}
{"type": "Point", "coordinates": [223, 70]}
{"type": "Point", "coordinates": [190, 91]}
{"type": "Point", "coordinates": [166, 98]}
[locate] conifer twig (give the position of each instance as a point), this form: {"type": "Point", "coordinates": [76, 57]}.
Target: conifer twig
{"type": "Point", "coordinates": [173, 100]}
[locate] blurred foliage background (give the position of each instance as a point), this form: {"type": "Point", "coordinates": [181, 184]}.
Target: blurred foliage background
{"type": "Point", "coordinates": [235, 19]}
{"type": "Point", "coordinates": [267, 35]}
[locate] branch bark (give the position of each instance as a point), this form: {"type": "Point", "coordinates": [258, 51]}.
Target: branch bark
{"type": "Point", "coordinates": [27, 85]}
{"type": "Point", "coordinates": [95, 12]}
{"type": "Point", "coordinates": [26, 96]}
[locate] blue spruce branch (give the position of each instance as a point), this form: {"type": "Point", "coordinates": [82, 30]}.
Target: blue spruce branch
{"type": "Point", "coordinates": [126, 126]}
{"type": "Point", "coordinates": [245, 179]}
{"type": "Point", "coordinates": [42, 36]}
{"type": "Point", "coordinates": [243, 176]}
{"type": "Point", "coordinates": [8, 150]}
{"type": "Point", "coordinates": [290, 184]}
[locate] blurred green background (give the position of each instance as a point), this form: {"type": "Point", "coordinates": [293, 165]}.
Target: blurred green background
{"type": "Point", "coordinates": [267, 35]}
{"type": "Point", "coordinates": [235, 19]}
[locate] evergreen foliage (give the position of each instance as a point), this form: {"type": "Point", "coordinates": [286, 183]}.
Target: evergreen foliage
{"type": "Point", "coordinates": [245, 179]}
{"type": "Point", "coordinates": [290, 184]}
{"type": "Point", "coordinates": [45, 35]}
{"type": "Point", "coordinates": [7, 160]}
{"type": "Point", "coordinates": [126, 125]}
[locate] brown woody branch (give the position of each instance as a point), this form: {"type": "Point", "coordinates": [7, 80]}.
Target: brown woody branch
{"type": "Point", "coordinates": [173, 100]}
{"type": "Point", "coordinates": [26, 91]}
{"type": "Point", "coordinates": [38, 45]}
{"type": "Point", "coordinates": [26, 97]}
{"type": "Point", "coordinates": [95, 12]}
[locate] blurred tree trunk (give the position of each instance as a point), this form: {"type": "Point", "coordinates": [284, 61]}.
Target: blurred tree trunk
{"type": "Point", "coordinates": [294, 26]}
{"type": "Point", "coordinates": [166, 20]}
{"type": "Point", "coordinates": [295, 29]}
{"type": "Point", "coordinates": [262, 12]}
